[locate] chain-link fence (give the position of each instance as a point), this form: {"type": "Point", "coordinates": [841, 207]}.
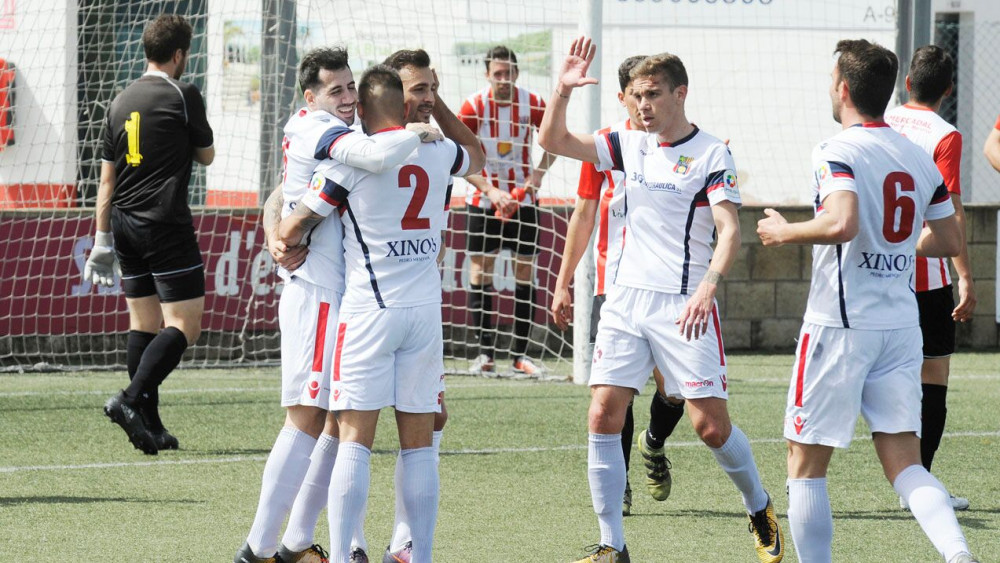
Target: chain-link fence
{"type": "Point", "coordinates": [975, 102]}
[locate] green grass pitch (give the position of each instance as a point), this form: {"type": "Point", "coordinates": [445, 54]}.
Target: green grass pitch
{"type": "Point", "coordinates": [513, 472]}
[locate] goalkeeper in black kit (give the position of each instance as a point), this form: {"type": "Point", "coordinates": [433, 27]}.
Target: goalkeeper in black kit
{"type": "Point", "coordinates": [153, 131]}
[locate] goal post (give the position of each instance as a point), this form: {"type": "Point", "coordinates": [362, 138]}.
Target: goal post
{"type": "Point", "coordinates": [591, 17]}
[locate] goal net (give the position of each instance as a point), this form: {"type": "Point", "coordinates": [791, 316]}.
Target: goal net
{"type": "Point", "coordinates": [759, 72]}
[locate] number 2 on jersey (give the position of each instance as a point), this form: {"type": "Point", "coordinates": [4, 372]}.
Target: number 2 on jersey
{"type": "Point", "coordinates": [894, 200]}
{"type": "Point", "coordinates": [413, 176]}
{"type": "Point", "coordinates": [132, 131]}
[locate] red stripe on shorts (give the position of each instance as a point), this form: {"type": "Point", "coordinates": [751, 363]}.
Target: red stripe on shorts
{"type": "Point", "coordinates": [718, 334]}
{"type": "Point", "coordinates": [324, 312]}
{"type": "Point", "coordinates": [803, 348]}
{"type": "Point", "coordinates": [341, 329]}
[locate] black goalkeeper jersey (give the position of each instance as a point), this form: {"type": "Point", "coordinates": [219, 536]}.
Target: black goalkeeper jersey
{"type": "Point", "coordinates": [150, 133]}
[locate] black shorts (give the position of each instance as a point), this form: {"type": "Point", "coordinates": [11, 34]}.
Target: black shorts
{"type": "Point", "coordinates": [488, 234]}
{"type": "Point", "coordinates": [595, 316]}
{"type": "Point", "coordinates": [936, 323]}
{"type": "Point", "coordinates": [157, 258]}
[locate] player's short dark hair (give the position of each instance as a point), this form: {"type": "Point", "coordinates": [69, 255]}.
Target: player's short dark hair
{"type": "Point", "coordinates": [328, 58]}
{"type": "Point", "coordinates": [625, 70]}
{"type": "Point", "coordinates": [870, 71]}
{"type": "Point", "coordinates": [164, 35]}
{"type": "Point", "coordinates": [405, 57]}
{"type": "Point", "coordinates": [666, 65]}
{"type": "Point", "coordinates": [500, 53]}
{"type": "Point", "coordinates": [931, 73]}
{"type": "Point", "coordinates": [378, 76]}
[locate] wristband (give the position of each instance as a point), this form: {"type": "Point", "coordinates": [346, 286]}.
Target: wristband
{"type": "Point", "coordinates": [561, 95]}
{"type": "Point", "coordinates": [104, 239]}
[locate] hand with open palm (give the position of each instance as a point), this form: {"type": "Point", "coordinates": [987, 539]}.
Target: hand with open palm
{"type": "Point", "coordinates": [573, 73]}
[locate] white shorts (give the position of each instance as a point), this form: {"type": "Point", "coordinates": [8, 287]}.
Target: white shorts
{"type": "Point", "coordinates": [840, 372]}
{"type": "Point", "coordinates": [637, 332]}
{"type": "Point", "coordinates": [389, 357]}
{"type": "Point", "coordinates": [307, 317]}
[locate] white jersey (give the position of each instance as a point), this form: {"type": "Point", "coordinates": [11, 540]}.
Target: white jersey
{"type": "Point", "coordinates": [310, 138]}
{"type": "Point", "coordinates": [943, 142]}
{"type": "Point", "coordinates": [309, 135]}
{"type": "Point", "coordinates": [393, 224]}
{"type": "Point", "coordinates": [866, 283]}
{"type": "Point", "coordinates": [608, 188]}
{"type": "Point", "coordinates": [668, 193]}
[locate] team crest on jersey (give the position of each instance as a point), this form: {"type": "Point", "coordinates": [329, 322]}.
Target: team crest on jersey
{"type": "Point", "coordinates": [504, 147]}
{"type": "Point", "coordinates": [729, 184]}
{"type": "Point", "coordinates": [683, 164]}
{"type": "Point", "coordinates": [316, 184]}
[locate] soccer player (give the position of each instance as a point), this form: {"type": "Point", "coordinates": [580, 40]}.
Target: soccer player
{"type": "Point", "coordinates": [389, 350]}
{"type": "Point", "coordinates": [503, 115]}
{"type": "Point", "coordinates": [860, 346]}
{"type": "Point", "coordinates": [297, 474]}
{"type": "Point", "coordinates": [929, 82]}
{"type": "Point", "coordinates": [420, 94]}
{"type": "Point", "coordinates": [144, 221]}
{"type": "Point", "coordinates": [681, 188]}
{"type": "Point", "coordinates": [603, 194]}
{"type": "Point", "coordinates": [992, 147]}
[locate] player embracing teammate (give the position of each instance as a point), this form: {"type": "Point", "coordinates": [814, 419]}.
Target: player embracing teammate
{"type": "Point", "coordinates": [389, 349]}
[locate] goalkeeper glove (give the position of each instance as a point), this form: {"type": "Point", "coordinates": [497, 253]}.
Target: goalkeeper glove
{"type": "Point", "coordinates": [102, 265]}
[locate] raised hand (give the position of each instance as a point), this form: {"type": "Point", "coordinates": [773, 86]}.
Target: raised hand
{"type": "Point", "coordinates": [573, 73]}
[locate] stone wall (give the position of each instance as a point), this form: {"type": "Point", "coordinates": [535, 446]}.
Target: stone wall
{"type": "Point", "coordinates": [764, 297]}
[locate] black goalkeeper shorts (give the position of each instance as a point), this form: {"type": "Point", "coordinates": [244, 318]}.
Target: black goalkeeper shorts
{"type": "Point", "coordinates": [157, 258]}
{"type": "Point", "coordinates": [936, 323]}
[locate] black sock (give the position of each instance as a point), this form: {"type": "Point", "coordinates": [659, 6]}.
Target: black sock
{"type": "Point", "coordinates": [663, 418]}
{"type": "Point", "coordinates": [627, 434]}
{"type": "Point", "coordinates": [134, 347]}
{"type": "Point", "coordinates": [933, 412]}
{"type": "Point", "coordinates": [481, 306]}
{"type": "Point", "coordinates": [524, 302]}
{"type": "Point", "coordinates": [160, 358]}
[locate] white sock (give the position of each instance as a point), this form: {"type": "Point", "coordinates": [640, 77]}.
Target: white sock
{"type": "Point", "coordinates": [420, 486]}
{"type": "Point", "coordinates": [931, 506]}
{"type": "Point", "coordinates": [312, 495]}
{"type": "Point", "coordinates": [736, 460]}
{"type": "Point", "coordinates": [401, 529]}
{"type": "Point", "coordinates": [606, 473]}
{"type": "Point", "coordinates": [348, 496]}
{"type": "Point", "coordinates": [283, 473]}
{"type": "Point", "coordinates": [811, 520]}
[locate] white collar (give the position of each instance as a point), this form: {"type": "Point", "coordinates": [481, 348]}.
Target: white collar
{"type": "Point", "coordinates": [159, 73]}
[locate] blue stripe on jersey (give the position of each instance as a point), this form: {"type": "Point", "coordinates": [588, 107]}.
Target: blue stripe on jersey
{"type": "Point", "coordinates": [700, 197]}
{"type": "Point", "coordinates": [368, 257]}
{"type": "Point", "coordinates": [447, 195]}
{"type": "Point", "coordinates": [457, 165]}
{"type": "Point", "coordinates": [840, 286]}
{"type": "Point", "coordinates": [714, 178]}
{"type": "Point", "coordinates": [329, 137]}
{"type": "Point", "coordinates": [940, 194]}
{"type": "Point", "coordinates": [333, 193]}
{"type": "Point", "coordinates": [616, 151]}
{"type": "Point", "coordinates": [839, 169]}
{"type": "Point", "coordinates": [618, 264]}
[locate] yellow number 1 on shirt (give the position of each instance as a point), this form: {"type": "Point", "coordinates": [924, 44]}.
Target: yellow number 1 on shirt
{"type": "Point", "coordinates": [132, 130]}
